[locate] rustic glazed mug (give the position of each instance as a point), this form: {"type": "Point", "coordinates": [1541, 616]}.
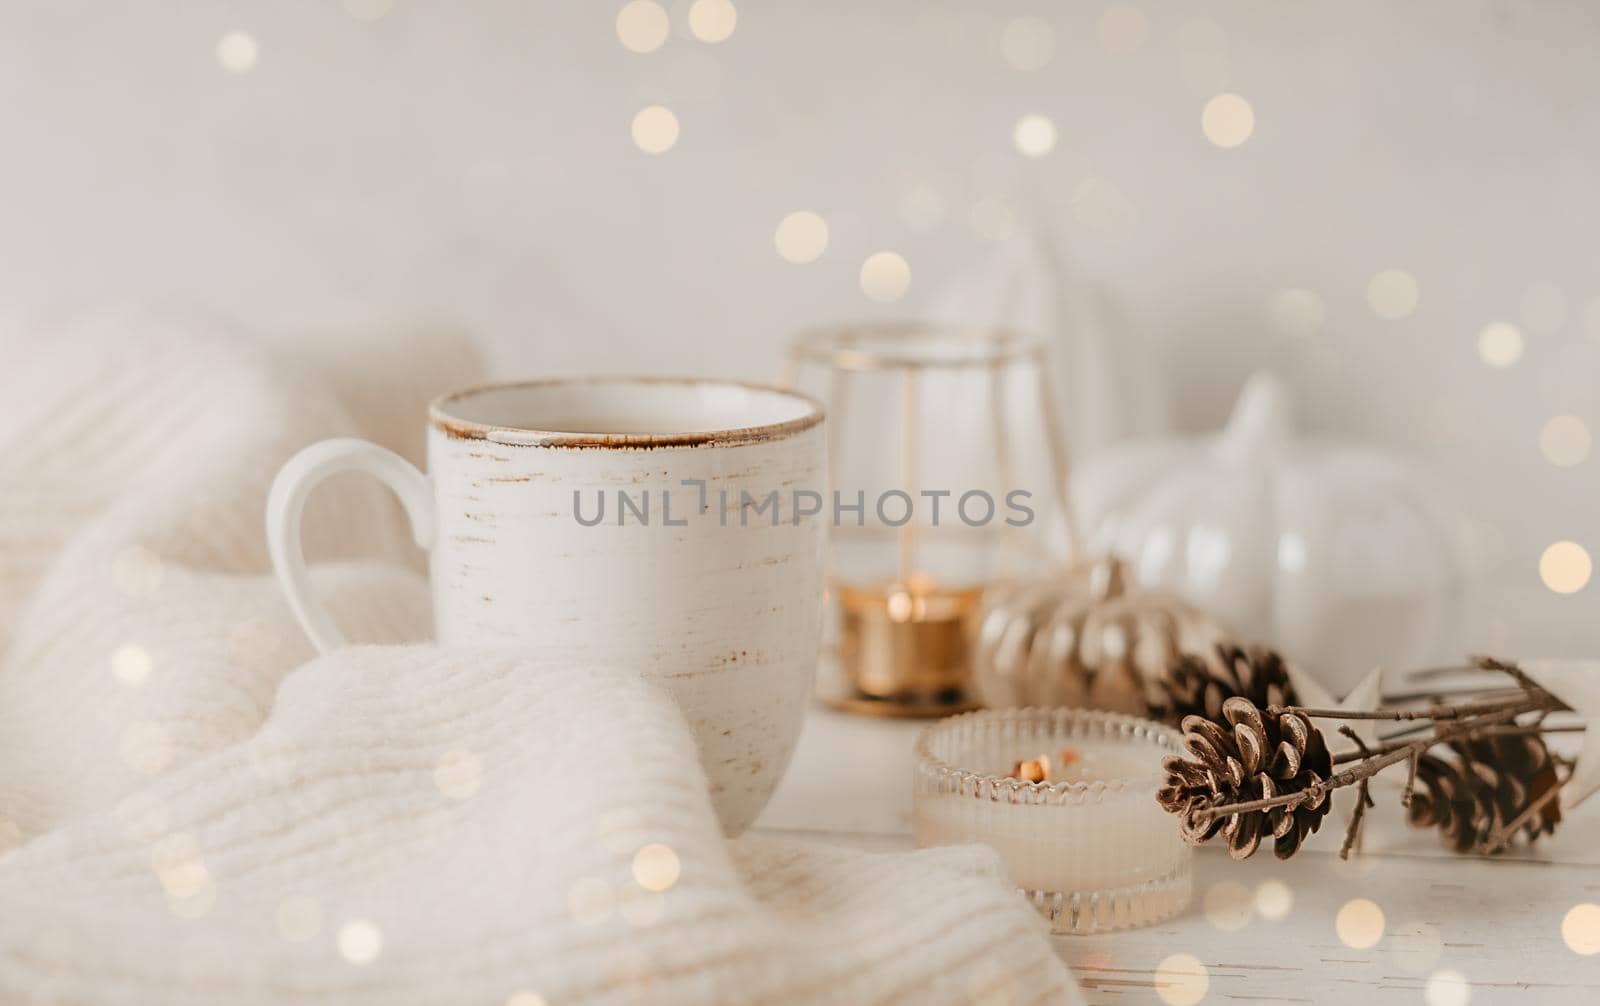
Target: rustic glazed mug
{"type": "Point", "coordinates": [654, 524]}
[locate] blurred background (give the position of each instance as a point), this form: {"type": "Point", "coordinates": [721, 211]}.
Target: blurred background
{"type": "Point", "coordinates": [1394, 206]}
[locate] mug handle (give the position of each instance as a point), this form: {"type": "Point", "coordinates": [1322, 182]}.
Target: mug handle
{"type": "Point", "coordinates": [287, 501]}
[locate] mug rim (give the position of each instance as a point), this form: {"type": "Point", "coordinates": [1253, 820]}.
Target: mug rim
{"type": "Point", "coordinates": [456, 428]}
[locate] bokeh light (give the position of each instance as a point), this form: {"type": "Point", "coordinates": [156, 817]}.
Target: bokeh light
{"type": "Point", "coordinates": [655, 867]}
{"type": "Point", "coordinates": [237, 52]}
{"type": "Point", "coordinates": [655, 129]}
{"type": "Point", "coordinates": [1447, 988]}
{"type": "Point", "coordinates": [525, 998]}
{"type": "Point", "coordinates": [1034, 135]}
{"type": "Point", "coordinates": [885, 277]}
{"type": "Point", "coordinates": [643, 26]}
{"type": "Point", "coordinates": [360, 941]}
{"type": "Point", "coordinates": [1228, 905]}
{"type": "Point", "coordinates": [1027, 43]}
{"type": "Point", "coordinates": [1273, 899]}
{"type": "Point", "coordinates": [1500, 344]}
{"type": "Point", "coordinates": [801, 237]}
{"type": "Point", "coordinates": [1359, 924]}
{"type": "Point", "coordinates": [131, 664]}
{"type": "Point", "coordinates": [1181, 980]}
{"type": "Point", "coordinates": [712, 20]}
{"type": "Point", "coordinates": [1122, 28]}
{"type": "Point", "coordinates": [1580, 929]}
{"type": "Point", "coordinates": [1393, 294]}
{"type": "Point", "coordinates": [1565, 567]}
{"type": "Point", "coordinates": [1228, 120]}
{"type": "Point", "coordinates": [1564, 441]}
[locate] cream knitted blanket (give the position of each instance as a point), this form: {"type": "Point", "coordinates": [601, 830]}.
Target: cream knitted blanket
{"type": "Point", "coordinates": [194, 811]}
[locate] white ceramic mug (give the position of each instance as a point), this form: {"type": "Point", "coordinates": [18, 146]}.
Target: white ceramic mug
{"type": "Point", "coordinates": [691, 576]}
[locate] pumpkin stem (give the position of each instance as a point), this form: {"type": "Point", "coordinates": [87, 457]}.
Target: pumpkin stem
{"type": "Point", "coordinates": [1259, 427]}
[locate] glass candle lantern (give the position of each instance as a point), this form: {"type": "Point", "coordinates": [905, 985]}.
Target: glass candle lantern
{"type": "Point", "coordinates": [947, 472]}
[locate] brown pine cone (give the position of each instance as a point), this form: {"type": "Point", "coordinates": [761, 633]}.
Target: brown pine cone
{"type": "Point", "coordinates": [1486, 784]}
{"type": "Point", "coordinates": [1248, 754]}
{"type": "Point", "coordinates": [1198, 686]}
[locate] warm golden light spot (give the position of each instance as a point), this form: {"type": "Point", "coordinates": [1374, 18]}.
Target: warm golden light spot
{"type": "Point", "coordinates": [1565, 567]}
{"type": "Point", "coordinates": [237, 51]}
{"type": "Point", "coordinates": [1564, 441]}
{"type": "Point", "coordinates": [712, 20]}
{"type": "Point", "coordinates": [1580, 929]}
{"type": "Point", "coordinates": [1228, 906]}
{"type": "Point", "coordinates": [1181, 980]}
{"type": "Point", "coordinates": [590, 900]}
{"type": "Point", "coordinates": [655, 867]}
{"type": "Point", "coordinates": [131, 663]}
{"type": "Point", "coordinates": [1228, 120]}
{"type": "Point", "coordinates": [459, 774]}
{"type": "Point", "coordinates": [1122, 28]}
{"type": "Point", "coordinates": [1447, 988]}
{"type": "Point", "coordinates": [1028, 43]}
{"type": "Point", "coordinates": [643, 26]}
{"type": "Point", "coordinates": [1359, 924]}
{"type": "Point", "coordinates": [299, 918]}
{"type": "Point", "coordinates": [1273, 899]}
{"type": "Point", "coordinates": [360, 941]}
{"type": "Point", "coordinates": [1297, 313]}
{"type": "Point", "coordinates": [525, 998]}
{"type": "Point", "coordinates": [1393, 294]}
{"type": "Point", "coordinates": [1500, 344]}
{"type": "Point", "coordinates": [1544, 308]}
{"type": "Point", "coordinates": [655, 129]}
{"type": "Point", "coordinates": [885, 277]}
{"type": "Point", "coordinates": [1034, 135]}
{"type": "Point", "coordinates": [801, 237]}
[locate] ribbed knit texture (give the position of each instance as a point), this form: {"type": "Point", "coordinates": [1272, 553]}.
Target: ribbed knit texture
{"type": "Point", "coordinates": [191, 812]}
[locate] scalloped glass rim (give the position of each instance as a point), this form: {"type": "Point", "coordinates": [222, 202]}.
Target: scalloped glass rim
{"type": "Point", "coordinates": [1064, 718]}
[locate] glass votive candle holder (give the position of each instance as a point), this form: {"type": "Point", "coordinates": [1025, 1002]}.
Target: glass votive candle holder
{"type": "Point", "coordinates": [1090, 847]}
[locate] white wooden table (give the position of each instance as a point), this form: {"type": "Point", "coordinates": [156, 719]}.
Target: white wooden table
{"type": "Point", "coordinates": [1494, 924]}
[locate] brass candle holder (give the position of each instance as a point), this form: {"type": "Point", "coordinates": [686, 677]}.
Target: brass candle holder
{"type": "Point", "coordinates": [947, 468]}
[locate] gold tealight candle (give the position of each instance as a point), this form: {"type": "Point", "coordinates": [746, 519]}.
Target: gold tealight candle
{"type": "Point", "coordinates": [948, 476]}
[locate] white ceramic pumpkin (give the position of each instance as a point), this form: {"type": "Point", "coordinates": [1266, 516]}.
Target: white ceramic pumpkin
{"type": "Point", "coordinates": [1342, 556]}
